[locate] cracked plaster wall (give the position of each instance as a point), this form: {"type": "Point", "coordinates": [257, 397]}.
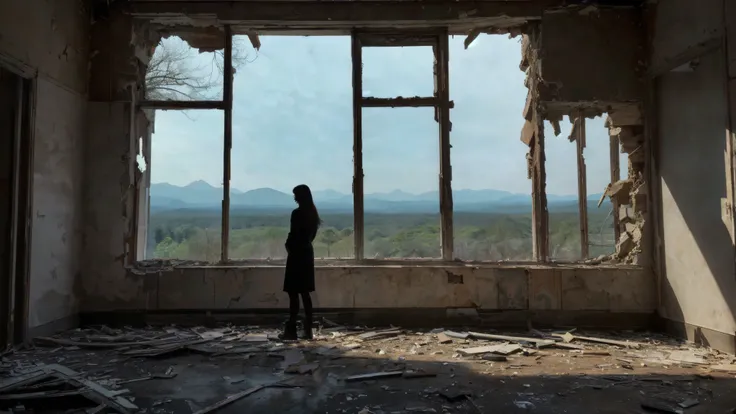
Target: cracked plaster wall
{"type": "Point", "coordinates": [52, 38]}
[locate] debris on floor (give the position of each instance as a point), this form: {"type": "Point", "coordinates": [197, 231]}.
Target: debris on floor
{"type": "Point", "coordinates": [350, 369]}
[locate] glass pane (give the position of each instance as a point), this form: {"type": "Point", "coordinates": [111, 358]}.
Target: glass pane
{"type": "Point", "coordinates": [292, 124]}
{"type": "Point", "coordinates": [401, 169]}
{"type": "Point", "coordinates": [491, 191]}
{"type": "Point", "coordinates": [389, 72]}
{"type": "Point", "coordinates": [186, 192]}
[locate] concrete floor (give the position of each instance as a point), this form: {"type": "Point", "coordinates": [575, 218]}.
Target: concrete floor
{"type": "Point", "coordinates": [596, 379]}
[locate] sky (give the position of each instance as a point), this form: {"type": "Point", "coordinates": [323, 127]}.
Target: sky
{"type": "Point", "coordinates": [293, 124]}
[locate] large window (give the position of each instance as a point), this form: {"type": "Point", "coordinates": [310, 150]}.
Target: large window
{"type": "Point", "coordinates": [292, 124]}
{"type": "Point", "coordinates": [409, 154]}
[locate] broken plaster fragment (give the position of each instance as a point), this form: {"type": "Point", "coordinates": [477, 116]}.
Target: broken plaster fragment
{"type": "Point", "coordinates": [254, 40]}
{"type": "Point", "coordinates": [625, 244]}
{"type": "Point", "coordinates": [556, 127]}
{"type": "Point", "coordinates": [620, 190]}
{"type": "Point", "coordinates": [443, 339]}
{"type": "Point", "coordinates": [574, 130]}
{"type": "Point", "coordinates": [524, 404]}
{"type": "Point", "coordinates": [471, 37]}
{"type": "Point", "coordinates": [527, 133]}
{"type": "Point", "coordinates": [626, 214]}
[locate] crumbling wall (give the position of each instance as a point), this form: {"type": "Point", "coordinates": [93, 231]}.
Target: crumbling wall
{"type": "Point", "coordinates": [630, 193]}
{"type": "Point", "coordinates": [51, 37]}
{"type": "Point", "coordinates": [587, 61]}
{"type": "Point", "coordinates": [532, 134]}
{"type": "Point", "coordinates": [119, 46]}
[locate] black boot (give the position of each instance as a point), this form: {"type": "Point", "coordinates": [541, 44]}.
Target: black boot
{"type": "Point", "coordinates": [308, 328]}
{"type": "Point", "coordinates": [289, 333]}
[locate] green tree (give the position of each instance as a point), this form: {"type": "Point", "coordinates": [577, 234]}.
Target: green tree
{"type": "Point", "coordinates": [165, 249]}
{"type": "Point", "coordinates": [329, 237]}
{"type": "Point", "coordinates": [159, 235]}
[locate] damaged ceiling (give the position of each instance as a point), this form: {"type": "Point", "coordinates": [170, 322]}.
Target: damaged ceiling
{"type": "Point", "coordinates": [316, 17]}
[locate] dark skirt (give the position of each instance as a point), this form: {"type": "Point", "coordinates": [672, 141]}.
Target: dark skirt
{"type": "Point", "coordinates": [299, 274]}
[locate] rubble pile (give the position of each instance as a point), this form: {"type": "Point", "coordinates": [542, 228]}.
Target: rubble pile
{"type": "Point", "coordinates": [106, 369]}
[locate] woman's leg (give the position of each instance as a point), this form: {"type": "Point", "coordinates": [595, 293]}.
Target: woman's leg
{"type": "Point", "coordinates": [307, 301]}
{"type": "Point", "coordinates": [293, 306]}
{"type": "Point", "coordinates": [289, 333]}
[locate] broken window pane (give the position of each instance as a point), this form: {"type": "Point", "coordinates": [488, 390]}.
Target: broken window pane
{"type": "Point", "coordinates": [179, 72]}
{"type": "Point", "coordinates": [390, 72]}
{"type": "Point", "coordinates": [491, 191]}
{"type": "Point", "coordinates": [401, 169]}
{"type": "Point", "coordinates": [186, 191]}
{"type": "Point", "coordinates": [562, 194]}
{"type": "Point", "coordinates": [292, 124]}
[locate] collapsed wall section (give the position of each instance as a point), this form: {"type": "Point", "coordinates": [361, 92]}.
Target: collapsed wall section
{"type": "Point", "coordinates": [584, 61]}
{"type": "Point", "coordinates": [630, 194]}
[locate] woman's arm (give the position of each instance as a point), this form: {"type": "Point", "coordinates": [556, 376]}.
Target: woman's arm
{"type": "Point", "coordinates": [292, 231]}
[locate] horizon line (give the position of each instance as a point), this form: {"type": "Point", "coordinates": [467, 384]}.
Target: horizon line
{"type": "Point", "coordinates": [349, 193]}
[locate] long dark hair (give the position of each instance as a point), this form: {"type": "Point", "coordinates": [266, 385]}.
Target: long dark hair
{"type": "Point", "coordinates": [303, 197]}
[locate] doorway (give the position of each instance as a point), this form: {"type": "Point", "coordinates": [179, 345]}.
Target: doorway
{"type": "Point", "coordinates": [15, 184]}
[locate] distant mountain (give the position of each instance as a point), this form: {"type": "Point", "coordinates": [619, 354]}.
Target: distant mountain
{"type": "Point", "coordinates": [266, 197]}
{"type": "Point", "coordinates": [330, 195]}
{"type": "Point", "coordinates": [199, 194]}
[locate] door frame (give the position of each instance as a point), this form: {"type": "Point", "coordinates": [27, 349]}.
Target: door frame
{"type": "Point", "coordinates": [18, 288]}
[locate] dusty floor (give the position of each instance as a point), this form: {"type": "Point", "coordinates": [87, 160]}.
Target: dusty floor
{"type": "Point", "coordinates": [183, 370]}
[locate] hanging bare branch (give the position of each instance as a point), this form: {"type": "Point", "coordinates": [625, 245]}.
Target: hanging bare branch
{"type": "Point", "coordinates": [175, 73]}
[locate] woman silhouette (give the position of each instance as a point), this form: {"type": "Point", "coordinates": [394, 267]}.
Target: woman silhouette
{"type": "Point", "coordinates": [299, 274]}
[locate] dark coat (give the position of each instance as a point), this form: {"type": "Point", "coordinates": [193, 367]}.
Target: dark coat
{"type": "Point", "coordinates": [299, 274]}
